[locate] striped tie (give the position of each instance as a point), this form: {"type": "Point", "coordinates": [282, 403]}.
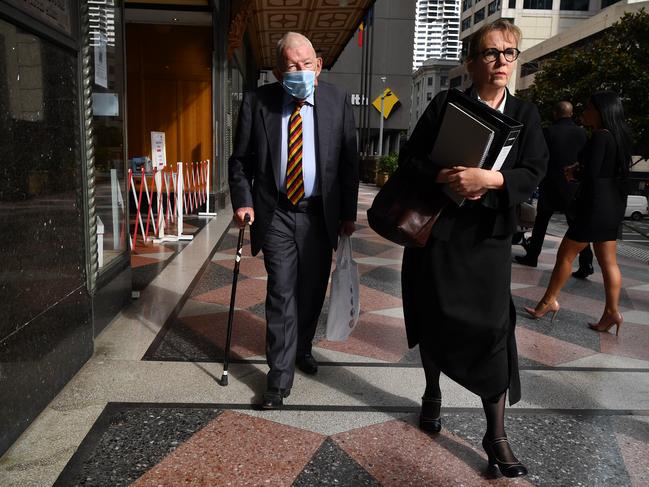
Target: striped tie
{"type": "Point", "coordinates": [294, 179]}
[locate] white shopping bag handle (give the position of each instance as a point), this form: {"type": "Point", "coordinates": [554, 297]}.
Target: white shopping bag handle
{"type": "Point", "coordinates": [344, 252]}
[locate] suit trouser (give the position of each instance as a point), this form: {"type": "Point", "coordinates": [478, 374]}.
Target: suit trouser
{"type": "Point", "coordinates": [297, 256]}
{"type": "Point", "coordinates": [541, 222]}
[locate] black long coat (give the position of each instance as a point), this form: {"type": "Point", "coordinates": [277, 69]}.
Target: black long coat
{"type": "Point", "coordinates": [456, 290]}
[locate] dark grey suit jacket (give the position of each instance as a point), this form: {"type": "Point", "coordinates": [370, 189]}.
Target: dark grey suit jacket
{"type": "Point", "coordinates": [565, 141]}
{"type": "Point", "coordinates": [256, 157]}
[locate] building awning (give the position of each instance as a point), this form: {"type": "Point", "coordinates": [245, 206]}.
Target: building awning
{"type": "Point", "coordinates": [329, 24]}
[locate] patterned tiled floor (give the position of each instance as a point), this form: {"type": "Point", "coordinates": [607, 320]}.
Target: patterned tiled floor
{"type": "Point", "coordinates": [367, 442]}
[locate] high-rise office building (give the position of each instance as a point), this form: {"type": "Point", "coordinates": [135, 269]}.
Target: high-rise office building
{"type": "Point", "coordinates": [437, 31]}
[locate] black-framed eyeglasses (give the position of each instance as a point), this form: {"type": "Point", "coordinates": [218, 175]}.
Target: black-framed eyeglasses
{"type": "Point", "coordinates": [491, 54]}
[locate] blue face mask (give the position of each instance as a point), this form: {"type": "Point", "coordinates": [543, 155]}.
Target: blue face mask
{"type": "Point", "coordinates": [299, 84]}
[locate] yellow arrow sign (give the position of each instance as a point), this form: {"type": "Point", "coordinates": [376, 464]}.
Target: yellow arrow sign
{"type": "Point", "coordinates": [389, 101]}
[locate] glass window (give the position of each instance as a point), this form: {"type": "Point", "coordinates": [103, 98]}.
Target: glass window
{"type": "Point", "coordinates": [429, 96]}
{"type": "Point", "coordinates": [108, 124]}
{"type": "Point", "coordinates": [430, 81]}
{"type": "Point", "coordinates": [466, 23]}
{"type": "Point", "coordinates": [494, 7]}
{"type": "Point", "coordinates": [443, 80]}
{"type": "Point", "coordinates": [574, 5]}
{"type": "Point", "coordinates": [606, 3]}
{"type": "Point", "coordinates": [478, 16]}
{"type": "Point", "coordinates": [538, 4]}
{"type": "Point", "coordinates": [512, 3]}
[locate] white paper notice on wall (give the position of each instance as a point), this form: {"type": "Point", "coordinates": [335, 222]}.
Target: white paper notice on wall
{"type": "Point", "coordinates": [101, 64]}
{"type": "Point", "coordinates": [158, 151]}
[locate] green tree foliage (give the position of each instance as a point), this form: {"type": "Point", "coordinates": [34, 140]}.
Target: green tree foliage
{"type": "Point", "coordinates": [617, 60]}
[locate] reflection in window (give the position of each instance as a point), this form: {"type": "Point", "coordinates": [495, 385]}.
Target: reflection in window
{"type": "Point", "coordinates": [574, 5]}
{"type": "Point", "coordinates": [108, 125]}
{"type": "Point", "coordinates": [538, 4]}
{"type": "Point", "coordinates": [478, 16]}
{"type": "Point", "coordinates": [493, 7]}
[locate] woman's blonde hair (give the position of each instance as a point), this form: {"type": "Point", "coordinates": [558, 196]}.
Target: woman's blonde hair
{"type": "Point", "coordinates": [475, 44]}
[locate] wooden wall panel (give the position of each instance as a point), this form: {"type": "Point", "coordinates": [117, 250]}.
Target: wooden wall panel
{"type": "Point", "coordinates": [170, 90]}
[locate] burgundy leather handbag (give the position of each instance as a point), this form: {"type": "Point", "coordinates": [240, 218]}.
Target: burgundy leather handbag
{"type": "Point", "coordinates": [406, 208]}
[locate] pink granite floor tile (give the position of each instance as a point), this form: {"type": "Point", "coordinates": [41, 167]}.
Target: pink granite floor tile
{"type": "Point", "coordinates": [139, 261]}
{"type": "Point", "coordinates": [399, 455]}
{"type": "Point", "coordinates": [248, 332]}
{"type": "Point", "coordinates": [372, 300]}
{"type": "Point", "coordinates": [547, 350]}
{"type": "Point", "coordinates": [152, 249]}
{"type": "Point", "coordinates": [249, 293]}
{"type": "Point", "coordinates": [252, 267]}
{"type": "Point", "coordinates": [375, 336]}
{"type": "Point", "coordinates": [636, 458]}
{"type": "Point", "coordinates": [236, 450]}
{"type": "Point", "coordinates": [526, 275]}
{"type": "Point", "coordinates": [633, 341]}
{"type": "Point", "coordinates": [640, 299]}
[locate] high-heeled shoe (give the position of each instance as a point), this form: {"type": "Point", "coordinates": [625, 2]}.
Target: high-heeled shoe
{"type": "Point", "coordinates": [606, 322]}
{"type": "Point", "coordinates": [544, 308]}
{"type": "Point", "coordinates": [508, 469]}
{"type": "Point", "coordinates": [430, 420]}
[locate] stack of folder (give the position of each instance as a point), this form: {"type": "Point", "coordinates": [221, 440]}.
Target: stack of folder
{"type": "Point", "coordinates": [472, 134]}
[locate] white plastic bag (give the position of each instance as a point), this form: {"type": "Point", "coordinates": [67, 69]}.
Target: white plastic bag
{"type": "Point", "coordinates": [344, 305]}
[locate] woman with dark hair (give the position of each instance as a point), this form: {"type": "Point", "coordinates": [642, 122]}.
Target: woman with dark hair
{"type": "Point", "coordinates": [599, 207]}
{"type": "Point", "coordinates": [456, 290]}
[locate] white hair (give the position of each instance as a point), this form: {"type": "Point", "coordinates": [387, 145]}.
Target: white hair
{"type": "Point", "coordinates": [290, 39]}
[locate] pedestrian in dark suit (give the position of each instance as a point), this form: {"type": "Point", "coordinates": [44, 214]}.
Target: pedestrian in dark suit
{"type": "Point", "coordinates": [565, 140]}
{"type": "Point", "coordinates": [457, 289]}
{"type": "Point", "coordinates": [294, 170]}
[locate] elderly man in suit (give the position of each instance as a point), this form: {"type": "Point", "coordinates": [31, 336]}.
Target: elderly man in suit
{"type": "Point", "coordinates": [294, 171]}
{"type": "Point", "coordinates": [565, 140]}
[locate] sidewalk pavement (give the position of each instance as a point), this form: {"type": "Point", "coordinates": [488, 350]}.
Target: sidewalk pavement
{"type": "Point", "coordinates": [147, 410]}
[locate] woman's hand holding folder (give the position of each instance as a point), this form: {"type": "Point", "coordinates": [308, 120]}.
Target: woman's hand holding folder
{"type": "Point", "coordinates": [471, 182]}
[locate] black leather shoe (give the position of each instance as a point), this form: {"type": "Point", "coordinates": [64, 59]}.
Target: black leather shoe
{"type": "Point", "coordinates": [273, 398]}
{"type": "Point", "coordinates": [583, 273]}
{"type": "Point", "coordinates": [526, 260]}
{"type": "Point", "coordinates": [307, 364]}
{"type": "Point", "coordinates": [429, 418]}
{"type": "Point", "coordinates": [495, 448]}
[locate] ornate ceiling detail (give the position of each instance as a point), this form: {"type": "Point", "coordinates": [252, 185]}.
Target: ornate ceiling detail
{"type": "Point", "coordinates": [330, 24]}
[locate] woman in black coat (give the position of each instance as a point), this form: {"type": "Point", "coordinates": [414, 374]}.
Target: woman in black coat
{"type": "Point", "coordinates": [599, 207]}
{"type": "Point", "coordinates": [456, 290]}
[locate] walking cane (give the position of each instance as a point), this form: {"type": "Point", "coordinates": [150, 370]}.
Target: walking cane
{"type": "Point", "coordinates": [235, 277]}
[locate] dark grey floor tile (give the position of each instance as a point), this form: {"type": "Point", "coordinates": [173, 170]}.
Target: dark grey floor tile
{"type": "Point", "coordinates": [126, 442]}
{"type": "Point", "coordinates": [330, 465]}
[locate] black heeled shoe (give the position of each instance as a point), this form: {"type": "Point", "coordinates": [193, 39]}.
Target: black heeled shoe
{"type": "Point", "coordinates": [508, 469]}
{"type": "Point", "coordinates": [430, 420]}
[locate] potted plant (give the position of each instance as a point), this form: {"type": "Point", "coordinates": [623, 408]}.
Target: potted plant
{"type": "Point", "coordinates": [387, 165]}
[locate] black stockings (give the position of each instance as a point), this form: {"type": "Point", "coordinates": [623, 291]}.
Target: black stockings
{"type": "Point", "coordinates": [432, 374]}
{"type": "Point", "coordinates": [494, 411]}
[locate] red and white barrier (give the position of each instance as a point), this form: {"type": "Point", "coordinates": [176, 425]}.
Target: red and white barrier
{"type": "Point", "coordinates": [179, 193]}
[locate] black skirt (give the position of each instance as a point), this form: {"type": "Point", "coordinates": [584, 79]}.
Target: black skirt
{"type": "Point", "coordinates": [599, 210]}
{"type": "Point", "coordinates": [457, 298]}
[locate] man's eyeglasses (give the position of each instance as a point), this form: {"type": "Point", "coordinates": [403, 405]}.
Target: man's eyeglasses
{"type": "Point", "coordinates": [490, 55]}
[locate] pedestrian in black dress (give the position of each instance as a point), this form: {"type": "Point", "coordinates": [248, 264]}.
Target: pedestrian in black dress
{"type": "Point", "coordinates": [599, 210]}
{"type": "Point", "coordinates": [456, 290]}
